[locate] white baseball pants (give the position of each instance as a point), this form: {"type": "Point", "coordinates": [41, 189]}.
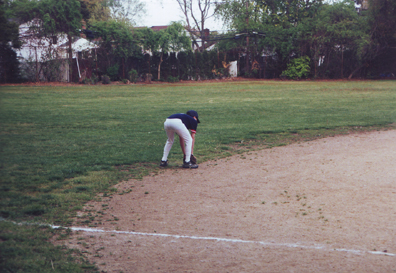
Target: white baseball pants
{"type": "Point", "coordinates": [171, 127]}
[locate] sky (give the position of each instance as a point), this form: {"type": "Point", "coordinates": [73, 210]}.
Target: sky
{"type": "Point", "coordinates": [162, 12]}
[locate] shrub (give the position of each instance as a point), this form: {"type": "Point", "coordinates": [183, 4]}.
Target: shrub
{"type": "Point", "coordinates": [106, 79]}
{"type": "Point", "coordinates": [133, 75]}
{"type": "Point", "coordinates": [112, 71]}
{"type": "Point", "coordinates": [94, 79]}
{"type": "Point", "coordinates": [297, 68]}
{"type": "Point", "coordinates": [173, 79]}
{"type": "Point", "coordinates": [124, 81]}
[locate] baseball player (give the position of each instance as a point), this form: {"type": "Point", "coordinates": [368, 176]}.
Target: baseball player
{"type": "Point", "coordinates": [180, 124]}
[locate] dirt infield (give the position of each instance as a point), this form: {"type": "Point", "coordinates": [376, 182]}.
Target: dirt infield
{"type": "Point", "coordinates": [323, 206]}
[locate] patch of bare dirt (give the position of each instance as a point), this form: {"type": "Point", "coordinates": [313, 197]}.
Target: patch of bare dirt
{"type": "Point", "coordinates": [327, 205]}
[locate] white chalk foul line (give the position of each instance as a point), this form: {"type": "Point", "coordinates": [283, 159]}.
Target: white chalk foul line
{"type": "Point", "coordinates": [318, 247]}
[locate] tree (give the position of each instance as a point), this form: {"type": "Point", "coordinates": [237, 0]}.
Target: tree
{"type": "Point", "coordinates": [149, 42]}
{"type": "Point", "coordinates": [130, 10]}
{"type": "Point", "coordinates": [381, 51]}
{"type": "Point", "coordinates": [96, 10]}
{"type": "Point", "coordinates": [8, 39]}
{"type": "Point", "coordinates": [194, 20]}
{"type": "Point", "coordinates": [174, 39]}
{"type": "Point", "coordinates": [335, 32]}
{"type": "Point", "coordinates": [52, 17]}
{"type": "Point", "coordinates": [117, 39]}
{"type": "Point", "coordinates": [121, 10]}
{"type": "Point", "coordinates": [382, 18]}
{"type": "Point", "coordinates": [171, 39]}
{"type": "Point", "coordinates": [9, 29]}
{"type": "Point", "coordinates": [163, 43]}
{"type": "Point", "coordinates": [61, 17]}
{"type": "Point", "coordinates": [245, 18]}
{"type": "Point", "coordinates": [268, 25]}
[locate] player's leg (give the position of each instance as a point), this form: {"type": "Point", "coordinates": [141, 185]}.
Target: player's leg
{"type": "Point", "coordinates": [170, 132]}
{"type": "Point", "coordinates": [184, 134]}
{"type": "Point", "coordinates": [185, 141]}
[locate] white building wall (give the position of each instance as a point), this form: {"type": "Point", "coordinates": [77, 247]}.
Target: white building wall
{"type": "Point", "coordinates": [234, 69]}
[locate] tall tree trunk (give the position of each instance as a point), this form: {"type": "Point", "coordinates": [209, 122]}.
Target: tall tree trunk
{"type": "Point", "coordinates": [327, 60]}
{"type": "Point", "coordinates": [202, 37]}
{"type": "Point", "coordinates": [265, 65]}
{"type": "Point", "coordinates": [316, 60]}
{"type": "Point", "coordinates": [178, 66]}
{"type": "Point", "coordinates": [342, 61]}
{"type": "Point", "coordinates": [37, 72]}
{"type": "Point", "coordinates": [70, 58]}
{"type": "Point", "coordinates": [159, 66]}
{"type": "Point", "coordinates": [123, 68]}
{"type": "Point", "coordinates": [4, 68]}
{"type": "Point", "coordinates": [354, 71]}
{"type": "Point", "coordinates": [149, 64]}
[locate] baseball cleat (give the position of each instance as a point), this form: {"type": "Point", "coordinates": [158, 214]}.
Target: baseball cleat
{"type": "Point", "coordinates": [164, 163]}
{"type": "Point", "coordinates": [189, 165]}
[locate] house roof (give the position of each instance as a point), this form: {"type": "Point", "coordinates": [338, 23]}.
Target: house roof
{"type": "Point", "coordinates": [156, 28]}
{"type": "Point", "coordinates": [81, 44]}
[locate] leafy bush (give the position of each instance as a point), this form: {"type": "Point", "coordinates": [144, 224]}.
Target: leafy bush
{"type": "Point", "coordinates": [297, 68]}
{"type": "Point", "coordinates": [185, 63]}
{"type": "Point", "coordinates": [124, 81]}
{"type": "Point", "coordinates": [173, 79]}
{"type": "Point", "coordinates": [9, 64]}
{"type": "Point", "coordinates": [220, 73]}
{"type": "Point", "coordinates": [255, 73]}
{"type": "Point", "coordinates": [106, 79]}
{"type": "Point", "coordinates": [94, 79]}
{"type": "Point", "coordinates": [133, 75]}
{"type": "Point", "coordinates": [112, 71]}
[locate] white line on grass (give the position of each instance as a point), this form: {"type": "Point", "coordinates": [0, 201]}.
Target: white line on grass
{"type": "Point", "coordinates": [319, 247]}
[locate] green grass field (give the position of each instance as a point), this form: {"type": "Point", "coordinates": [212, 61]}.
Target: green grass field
{"type": "Point", "coordinates": [60, 146]}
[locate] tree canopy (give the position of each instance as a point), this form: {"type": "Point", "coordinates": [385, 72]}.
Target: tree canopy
{"type": "Point", "coordinates": [8, 39]}
{"type": "Point", "coordinates": [263, 35]}
{"type": "Point", "coordinates": [332, 35]}
{"type": "Point", "coordinates": [171, 39]}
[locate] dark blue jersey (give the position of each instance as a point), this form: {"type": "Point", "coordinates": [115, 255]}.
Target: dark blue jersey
{"type": "Point", "coordinates": [187, 120]}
